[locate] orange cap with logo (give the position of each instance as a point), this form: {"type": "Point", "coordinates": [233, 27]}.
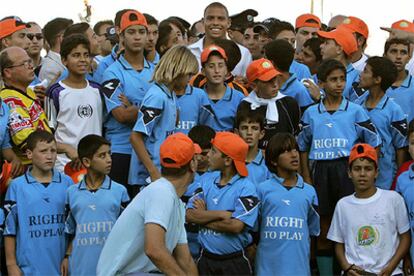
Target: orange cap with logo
{"type": "Point", "coordinates": [211, 49]}
{"type": "Point", "coordinates": [363, 151]}
{"type": "Point", "coordinates": [177, 150]}
{"type": "Point", "coordinates": [131, 18]}
{"type": "Point", "coordinates": [308, 20]}
{"type": "Point", "coordinates": [403, 25]}
{"type": "Point", "coordinates": [356, 25]}
{"type": "Point", "coordinates": [343, 37]}
{"type": "Point", "coordinates": [9, 26]}
{"type": "Point", "coordinates": [234, 147]}
{"type": "Point", "coordinates": [261, 69]}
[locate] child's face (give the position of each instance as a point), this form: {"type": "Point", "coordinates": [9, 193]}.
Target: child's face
{"type": "Point", "coordinates": [267, 89]}
{"type": "Point", "coordinates": [399, 54]}
{"type": "Point", "coordinates": [329, 49]}
{"type": "Point", "coordinates": [250, 132]}
{"type": "Point", "coordinates": [202, 160]}
{"type": "Point", "coordinates": [215, 159]}
{"type": "Point", "coordinates": [288, 160]}
{"type": "Point", "coordinates": [411, 144]}
{"type": "Point", "coordinates": [101, 161]}
{"type": "Point", "coordinates": [43, 155]}
{"type": "Point", "coordinates": [215, 69]}
{"type": "Point", "coordinates": [78, 60]}
{"type": "Point", "coordinates": [363, 173]}
{"type": "Point", "coordinates": [367, 79]}
{"type": "Point", "coordinates": [334, 84]}
{"type": "Point", "coordinates": [135, 38]}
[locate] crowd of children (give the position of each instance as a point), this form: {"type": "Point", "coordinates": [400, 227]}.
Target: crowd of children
{"type": "Point", "coordinates": [183, 152]}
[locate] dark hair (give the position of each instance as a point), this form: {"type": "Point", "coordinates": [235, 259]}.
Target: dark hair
{"type": "Point", "coordinates": [392, 41]}
{"type": "Point", "coordinates": [216, 5]}
{"type": "Point", "coordinates": [327, 67]}
{"type": "Point", "coordinates": [118, 16]}
{"type": "Point", "coordinates": [164, 31]}
{"type": "Point", "coordinates": [314, 44]}
{"type": "Point", "coordinates": [202, 135]}
{"type": "Point", "coordinates": [193, 31]}
{"type": "Point", "coordinates": [244, 113]}
{"type": "Point", "coordinates": [280, 53]}
{"type": "Point", "coordinates": [232, 52]}
{"type": "Point", "coordinates": [410, 128]}
{"type": "Point", "coordinates": [358, 36]}
{"type": "Point", "coordinates": [90, 144]}
{"type": "Point", "coordinates": [78, 28]}
{"type": "Point", "coordinates": [280, 26]}
{"type": "Point", "coordinates": [5, 60]}
{"type": "Point", "coordinates": [150, 19]}
{"type": "Point", "coordinates": [278, 144]}
{"type": "Point", "coordinates": [175, 172]}
{"type": "Point", "coordinates": [384, 68]}
{"type": "Point", "coordinates": [100, 24]}
{"type": "Point", "coordinates": [71, 42]}
{"type": "Point", "coordinates": [55, 27]}
{"type": "Point", "coordinates": [39, 136]}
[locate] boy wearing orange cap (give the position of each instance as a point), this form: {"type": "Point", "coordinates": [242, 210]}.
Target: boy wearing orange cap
{"type": "Point", "coordinates": [281, 113]}
{"type": "Point", "coordinates": [226, 207]}
{"type": "Point", "coordinates": [340, 44]}
{"type": "Point", "coordinates": [149, 236]}
{"type": "Point", "coordinates": [370, 228]}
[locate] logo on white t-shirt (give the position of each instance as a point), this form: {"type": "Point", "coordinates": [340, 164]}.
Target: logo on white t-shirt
{"type": "Point", "coordinates": [85, 111]}
{"type": "Point", "coordinates": [367, 235]}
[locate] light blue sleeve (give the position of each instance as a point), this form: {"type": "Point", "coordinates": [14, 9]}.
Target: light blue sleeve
{"type": "Point", "coordinates": [313, 216]}
{"type": "Point", "coordinates": [6, 136]}
{"type": "Point", "coordinates": [198, 194]}
{"type": "Point", "coordinates": [112, 86]}
{"type": "Point", "coordinates": [305, 134]}
{"type": "Point", "coordinates": [303, 96]}
{"type": "Point", "coordinates": [10, 209]}
{"type": "Point", "coordinates": [366, 130]}
{"type": "Point", "coordinates": [206, 112]}
{"type": "Point", "coordinates": [70, 223]}
{"type": "Point", "coordinates": [150, 111]}
{"type": "Point", "coordinates": [399, 127]}
{"type": "Point", "coordinates": [247, 205]}
{"type": "Point", "coordinates": [159, 207]}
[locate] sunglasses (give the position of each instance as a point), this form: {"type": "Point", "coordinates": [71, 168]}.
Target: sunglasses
{"type": "Point", "coordinates": [38, 36]}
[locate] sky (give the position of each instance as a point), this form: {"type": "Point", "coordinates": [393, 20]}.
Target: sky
{"type": "Point", "coordinates": [375, 13]}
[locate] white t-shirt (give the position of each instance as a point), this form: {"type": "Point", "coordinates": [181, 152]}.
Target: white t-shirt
{"type": "Point", "coordinates": [74, 113]}
{"type": "Point", "coordinates": [369, 228]}
{"type": "Point", "coordinates": [360, 63]}
{"type": "Point", "coordinates": [124, 250]}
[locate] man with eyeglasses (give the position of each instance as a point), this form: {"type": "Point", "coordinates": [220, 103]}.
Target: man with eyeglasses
{"type": "Point", "coordinates": [25, 113]}
{"type": "Point", "coordinates": [35, 35]}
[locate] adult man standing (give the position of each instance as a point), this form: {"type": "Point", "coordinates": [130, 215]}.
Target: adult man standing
{"type": "Point", "coordinates": [35, 35]}
{"type": "Point", "coordinates": [216, 23]}
{"type": "Point", "coordinates": [306, 26]}
{"type": "Point", "coordinates": [149, 236]}
{"type": "Point", "coordinates": [13, 33]}
{"type": "Point", "coordinates": [26, 114]}
{"type": "Point", "coordinates": [52, 66]}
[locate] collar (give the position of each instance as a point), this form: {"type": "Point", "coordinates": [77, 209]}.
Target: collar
{"type": "Point", "coordinates": [350, 68]}
{"type": "Point", "coordinates": [228, 95]}
{"type": "Point", "coordinates": [407, 81]}
{"type": "Point", "coordinates": [288, 82]}
{"type": "Point", "coordinates": [381, 104]}
{"type": "Point", "coordinates": [231, 182]}
{"type": "Point", "coordinates": [411, 171]}
{"type": "Point", "coordinates": [259, 158]}
{"type": "Point", "coordinates": [342, 107]}
{"type": "Point", "coordinates": [165, 89]}
{"type": "Point", "coordinates": [299, 183]}
{"type": "Point", "coordinates": [197, 45]}
{"type": "Point", "coordinates": [189, 89]}
{"type": "Point", "coordinates": [128, 66]}
{"type": "Point", "coordinates": [107, 183]}
{"type": "Point", "coordinates": [6, 86]}
{"type": "Point", "coordinates": [56, 177]}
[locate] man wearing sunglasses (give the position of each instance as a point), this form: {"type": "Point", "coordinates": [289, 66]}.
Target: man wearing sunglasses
{"type": "Point", "coordinates": [34, 34]}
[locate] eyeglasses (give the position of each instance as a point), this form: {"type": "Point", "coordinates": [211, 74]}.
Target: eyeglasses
{"type": "Point", "coordinates": [27, 64]}
{"type": "Point", "coordinates": [38, 36]}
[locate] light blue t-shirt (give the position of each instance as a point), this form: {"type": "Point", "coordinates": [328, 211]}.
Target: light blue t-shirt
{"type": "Point", "coordinates": [91, 217]}
{"type": "Point", "coordinates": [124, 250]}
{"type": "Point", "coordinates": [258, 171]}
{"type": "Point", "coordinates": [404, 96]}
{"type": "Point", "coordinates": [121, 77]}
{"type": "Point", "coordinates": [157, 119]}
{"type": "Point", "coordinates": [105, 63]}
{"type": "Point", "coordinates": [405, 186]}
{"type": "Point", "coordinates": [35, 215]}
{"type": "Point", "coordinates": [392, 127]}
{"type": "Point", "coordinates": [287, 220]}
{"type": "Point", "coordinates": [300, 70]}
{"type": "Point", "coordinates": [4, 128]}
{"type": "Point", "coordinates": [329, 136]}
{"type": "Point", "coordinates": [352, 79]}
{"type": "Point", "coordinates": [294, 88]}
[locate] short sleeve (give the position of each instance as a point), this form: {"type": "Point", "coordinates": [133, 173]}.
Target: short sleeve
{"type": "Point", "coordinates": [111, 87]}
{"type": "Point", "coordinates": [183, 235]}
{"type": "Point", "coordinates": [399, 127]}
{"type": "Point", "coordinates": [198, 194]}
{"type": "Point", "coordinates": [158, 208]}
{"type": "Point", "coordinates": [335, 230]}
{"type": "Point", "coordinates": [247, 205]}
{"type": "Point", "coordinates": [313, 216]}
{"type": "Point", "coordinates": [10, 211]}
{"type": "Point", "coordinates": [305, 133]}
{"type": "Point", "coordinates": [150, 112]}
{"type": "Point", "coordinates": [366, 130]}
{"type": "Point", "coordinates": [401, 214]}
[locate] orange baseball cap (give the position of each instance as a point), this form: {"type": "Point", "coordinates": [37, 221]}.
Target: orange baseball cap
{"type": "Point", "coordinates": [131, 18]}
{"type": "Point", "coordinates": [363, 151]}
{"type": "Point", "coordinates": [356, 25]}
{"type": "Point", "coordinates": [9, 26]}
{"type": "Point", "coordinates": [261, 69]}
{"type": "Point", "coordinates": [343, 37]}
{"type": "Point", "coordinates": [209, 50]}
{"type": "Point", "coordinates": [308, 20]}
{"type": "Point", "coordinates": [177, 150]}
{"type": "Point", "coordinates": [234, 147]}
{"type": "Point", "coordinates": [76, 175]}
{"type": "Point", "coordinates": [403, 25]}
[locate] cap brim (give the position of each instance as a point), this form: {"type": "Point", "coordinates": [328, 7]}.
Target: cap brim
{"type": "Point", "coordinates": [259, 27]}
{"type": "Point", "coordinates": [241, 168]}
{"type": "Point", "coordinates": [323, 34]}
{"type": "Point", "coordinates": [269, 75]}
